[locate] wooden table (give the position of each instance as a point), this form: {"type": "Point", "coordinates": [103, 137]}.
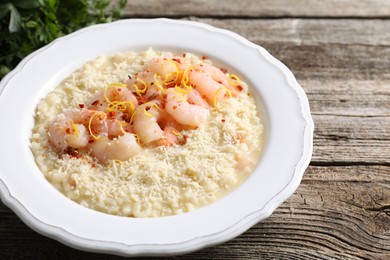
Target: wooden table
{"type": "Point", "coordinates": [339, 51]}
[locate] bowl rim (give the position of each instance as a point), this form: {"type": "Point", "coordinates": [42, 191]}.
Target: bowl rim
{"type": "Point", "coordinates": [196, 243]}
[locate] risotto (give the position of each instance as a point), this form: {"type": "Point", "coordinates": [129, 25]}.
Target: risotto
{"type": "Point", "coordinates": [205, 147]}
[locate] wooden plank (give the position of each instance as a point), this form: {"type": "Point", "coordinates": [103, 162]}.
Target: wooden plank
{"type": "Point", "coordinates": [308, 31]}
{"type": "Point", "coordinates": [336, 213]}
{"type": "Point", "coordinates": [258, 8]}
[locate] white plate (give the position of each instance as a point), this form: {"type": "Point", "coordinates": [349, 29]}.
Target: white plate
{"type": "Point", "coordinates": [283, 106]}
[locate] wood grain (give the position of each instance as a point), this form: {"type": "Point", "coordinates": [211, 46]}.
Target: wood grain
{"type": "Point", "coordinates": [336, 213]}
{"type": "Point", "coordinates": [341, 210]}
{"type": "Point", "coordinates": [258, 8]}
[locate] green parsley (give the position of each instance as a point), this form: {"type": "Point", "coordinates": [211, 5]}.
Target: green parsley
{"type": "Point", "coordinates": [26, 25]}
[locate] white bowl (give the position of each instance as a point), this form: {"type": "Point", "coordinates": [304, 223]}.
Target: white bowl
{"type": "Point", "coordinates": [282, 104]}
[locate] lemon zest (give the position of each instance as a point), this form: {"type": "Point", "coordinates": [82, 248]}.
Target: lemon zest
{"type": "Point", "coordinates": [75, 129]}
{"type": "Point", "coordinates": [181, 90]}
{"type": "Point", "coordinates": [157, 106]}
{"type": "Point", "coordinates": [176, 133]}
{"type": "Point", "coordinates": [121, 123]}
{"type": "Point", "coordinates": [111, 86]}
{"type": "Point", "coordinates": [185, 79]}
{"type": "Point", "coordinates": [229, 92]}
{"type": "Point", "coordinates": [121, 106]}
{"type": "Point", "coordinates": [147, 113]}
{"type": "Point", "coordinates": [234, 80]}
{"type": "Point", "coordinates": [138, 90]}
{"type": "Point", "coordinates": [132, 117]}
{"type": "Point", "coordinates": [157, 82]}
{"type": "Point", "coordinates": [89, 127]}
{"type": "Point", "coordinates": [216, 95]}
{"type": "Point", "coordinates": [169, 75]}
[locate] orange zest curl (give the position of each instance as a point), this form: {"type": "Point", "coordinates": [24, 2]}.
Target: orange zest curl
{"type": "Point", "coordinates": [121, 124]}
{"type": "Point", "coordinates": [89, 127]}
{"type": "Point", "coordinates": [176, 133]}
{"type": "Point", "coordinates": [112, 86]}
{"type": "Point", "coordinates": [185, 79]}
{"type": "Point", "coordinates": [132, 117]}
{"type": "Point", "coordinates": [140, 91]}
{"type": "Point", "coordinates": [234, 80]}
{"type": "Point", "coordinates": [182, 91]}
{"type": "Point", "coordinates": [175, 75]}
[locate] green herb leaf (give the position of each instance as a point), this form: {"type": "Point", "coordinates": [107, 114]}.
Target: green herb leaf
{"type": "Point", "coordinates": [15, 20]}
{"type": "Point", "coordinates": [26, 25]}
{"type": "Point", "coordinates": [26, 4]}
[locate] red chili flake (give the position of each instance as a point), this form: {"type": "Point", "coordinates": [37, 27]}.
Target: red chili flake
{"type": "Point", "coordinates": [204, 97]}
{"type": "Point", "coordinates": [240, 88]}
{"type": "Point", "coordinates": [81, 105]}
{"type": "Point", "coordinates": [204, 57]}
{"type": "Point", "coordinates": [177, 60]}
{"type": "Point", "coordinates": [185, 139]}
{"type": "Point", "coordinates": [111, 113]}
{"type": "Point", "coordinates": [174, 107]}
{"type": "Point", "coordinates": [147, 108]}
{"type": "Point", "coordinates": [165, 96]}
{"type": "Point", "coordinates": [73, 152]}
{"type": "Point", "coordinates": [91, 141]}
{"type": "Point", "coordinates": [223, 120]}
{"type": "Point", "coordinates": [119, 89]}
{"type": "Point", "coordinates": [67, 130]}
{"type": "Point", "coordinates": [94, 103]}
{"type": "Point", "coordinates": [184, 55]}
{"type": "Point", "coordinates": [223, 70]}
{"type": "Point", "coordinates": [220, 82]}
{"type": "Point", "coordinates": [165, 59]}
{"type": "Point", "coordinates": [93, 165]}
{"type": "Point", "coordinates": [249, 94]}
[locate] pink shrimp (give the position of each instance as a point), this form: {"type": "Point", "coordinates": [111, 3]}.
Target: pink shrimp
{"type": "Point", "coordinates": [69, 130]}
{"type": "Point", "coordinates": [147, 84]}
{"type": "Point", "coordinates": [183, 112]}
{"type": "Point", "coordinates": [109, 98]}
{"type": "Point", "coordinates": [121, 148]}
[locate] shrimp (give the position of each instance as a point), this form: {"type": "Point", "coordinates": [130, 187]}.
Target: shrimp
{"type": "Point", "coordinates": [148, 84]}
{"type": "Point", "coordinates": [69, 130]}
{"type": "Point", "coordinates": [145, 122]}
{"type": "Point", "coordinates": [217, 75]}
{"type": "Point", "coordinates": [121, 148]}
{"type": "Point", "coordinates": [170, 136]}
{"type": "Point", "coordinates": [64, 133]}
{"type": "Point", "coordinates": [108, 100]}
{"type": "Point", "coordinates": [169, 68]}
{"type": "Point", "coordinates": [195, 98]}
{"type": "Point", "coordinates": [112, 128]}
{"type": "Point", "coordinates": [83, 116]}
{"type": "Point", "coordinates": [183, 112]}
{"type": "Point", "coordinates": [207, 86]}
